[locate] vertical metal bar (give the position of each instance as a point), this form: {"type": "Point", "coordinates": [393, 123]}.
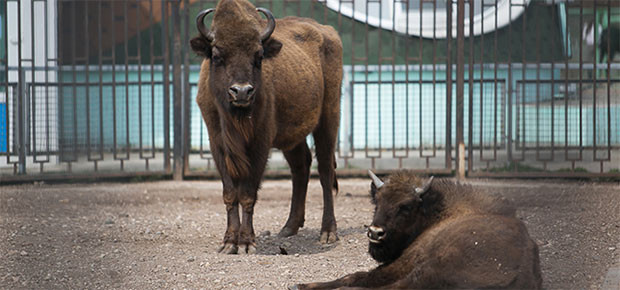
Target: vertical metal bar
{"type": "Point", "coordinates": [139, 59]}
{"type": "Point", "coordinates": [379, 62]}
{"type": "Point", "coordinates": [393, 93]}
{"type": "Point", "coordinates": [495, 65]}
{"type": "Point", "coordinates": [420, 75]}
{"type": "Point", "coordinates": [510, 88]}
{"type": "Point", "coordinates": [166, 78]}
{"type": "Point", "coordinates": [73, 83]}
{"type": "Point", "coordinates": [553, 48]}
{"type": "Point", "coordinates": [470, 108]}
{"type": "Point", "coordinates": [366, 90]}
{"type": "Point", "coordinates": [580, 82]}
{"type": "Point", "coordinates": [186, 92]}
{"type": "Point", "coordinates": [6, 83]}
{"type": "Point", "coordinates": [113, 33]}
{"type": "Point", "coordinates": [352, 82]}
{"type": "Point", "coordinates": [448, 85]}
{"type": "Point", "coordinates": [537, 49]}
{"type": "Point", "coordinates": [47, 103]}
{"type": "Point", "coordinates": [594, 85]}
{"type": "Point", "coordinates": [20, 99]}
{"type": "Point", "coordinates": [460, 69]}
{"type": "Point", "coordinates": [178, 97]}
{"type": "Point", "coordinates": [152, 85]}
{"type": "Point", "coordinates": [126, 44]}
{"type": "Point", "coordinates": [87, 81]}
{"type": "Point", "coordinates": [100, 55]}
{"type": "Point", "coordinates": [61, 107]}
{"type": "Point", "coordinates": [481, 89]}
{"type": "Point", "coordinates": [608, 83]}
{"type": "Point", "coordinates": [523, 86]}
{"type": "Point", "coordinates": [434, 82]}
{"type": "Point", "coordinates": [32, 88]}
{"type": "Point", "coordinates": [407, 147]}
{"type": "Point", "coordinates": [566, 73]}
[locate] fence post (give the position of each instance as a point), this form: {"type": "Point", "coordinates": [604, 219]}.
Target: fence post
{"type": "Point", "coordinates": [186, 89]}
{"type": "Point", "coordinates": [22, 124]}
{"type": "Point", "coordinates": [449, 86]}
{"type": "Point", "coordinates": [178, 94]}
{"type": "Point", "coordinates": [166, 79]}
{"type": "Point", "coordinates": [460, 70]}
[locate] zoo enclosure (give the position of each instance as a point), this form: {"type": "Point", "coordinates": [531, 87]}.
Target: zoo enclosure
{"type": "Point", "coordinates": [106, 88]}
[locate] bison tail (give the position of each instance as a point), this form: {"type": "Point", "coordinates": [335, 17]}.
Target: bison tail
{"type": "Point", "coordinates": [335, 188]}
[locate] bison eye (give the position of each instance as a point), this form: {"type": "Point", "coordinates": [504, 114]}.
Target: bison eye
{"type": "Point", "coordinates": [217, 60]}
{"type": "Point", "coordinates": [405, 208]}
{"type": "Point", "coordinates": [258, 59]}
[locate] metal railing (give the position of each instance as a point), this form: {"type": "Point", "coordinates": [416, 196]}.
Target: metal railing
{"type": "Point", "coordinates": [106, 88]}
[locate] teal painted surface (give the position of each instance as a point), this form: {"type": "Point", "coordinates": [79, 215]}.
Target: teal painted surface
{"type": "Point", "coordinates": [385, 116]}
{"type": "Point", "coordinates": [130, 113]}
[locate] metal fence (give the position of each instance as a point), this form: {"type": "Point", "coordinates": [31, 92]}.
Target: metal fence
{"type": "Point", "coordinates": [487, 88]}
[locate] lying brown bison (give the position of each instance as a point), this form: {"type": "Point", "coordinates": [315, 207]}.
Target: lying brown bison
{"type": "Point", "coordinates": [442, 235]}
{"type": "Point", "coordinates": [263, 84]}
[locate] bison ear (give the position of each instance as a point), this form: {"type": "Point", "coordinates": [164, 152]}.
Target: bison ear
{"type": "Point", "coordinates": [201, 46]}
{"type": "Point", "coordinates": [271, 47]}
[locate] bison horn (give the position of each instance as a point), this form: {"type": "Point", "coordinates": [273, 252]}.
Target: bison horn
{"type": "Point", "coordinates": [200, 24]}
{"type": "Point", "coordinates": [378, 183]}
{"type": "Point", "coordinates": [271, 24]}
{"type": "Point", "coordinates": [420, 190]}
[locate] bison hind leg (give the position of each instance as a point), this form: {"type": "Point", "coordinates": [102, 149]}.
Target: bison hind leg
{"type": "Point", "coordinates": [325, 141]}
{"type": "Point", "coordinates": [299, 160]}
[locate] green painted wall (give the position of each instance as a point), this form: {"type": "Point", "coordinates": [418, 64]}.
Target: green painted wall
{"type": "Point", "coordinates": [535, 36]}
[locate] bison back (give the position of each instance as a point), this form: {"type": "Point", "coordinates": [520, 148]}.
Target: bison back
{"type": "Point", "coordinates": [480, 251]}
{"type": "Point", "coordinates": [308, 65]}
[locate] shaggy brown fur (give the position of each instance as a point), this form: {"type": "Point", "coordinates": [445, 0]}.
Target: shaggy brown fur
{"type": "Point", "coordinates": [455, 237]}
{"type": "Point", "coordinates": [296, 75]}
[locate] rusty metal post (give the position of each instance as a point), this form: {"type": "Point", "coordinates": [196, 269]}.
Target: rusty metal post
{"type": "Point", "coordinates": [166, 79]}
{"type": "Point", "coordinates": [449, 86]}
{"type": "Point", "coordinates": [460, 71]}
{"type": "Point", "coordinates": [177, 91]}
{"type": "Point", "coordinates": [186, 89]}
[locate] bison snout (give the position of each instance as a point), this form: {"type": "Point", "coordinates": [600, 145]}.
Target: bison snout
{"type": "Point", "coordinates": [376, 234]}
{"type": "Point", "coordinates": [241, 94]}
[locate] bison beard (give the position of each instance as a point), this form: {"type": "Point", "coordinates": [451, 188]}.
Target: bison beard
{"type": "Point", "coordinates": [263, 87]}
{"type": "Point", "coordinates": [443, 235]}
{"type": "Point", "coordinates": [390, 249]}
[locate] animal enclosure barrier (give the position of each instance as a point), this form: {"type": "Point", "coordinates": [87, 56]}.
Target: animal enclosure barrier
{"type": "Point", "coordinates": [529, 87]}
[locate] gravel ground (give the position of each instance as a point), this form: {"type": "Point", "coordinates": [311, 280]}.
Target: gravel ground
{"type": "Point", "coordinates": [165, 234]}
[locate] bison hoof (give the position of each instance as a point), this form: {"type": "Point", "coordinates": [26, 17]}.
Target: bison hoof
{"type": "Point", "coordinates": [228, 248]}
{"type": "Point", "coordinates": [287, 232]}
{"type": "Point", "coordinates": [247, 249]}
{"type": "Point", "coordinates": [328, 237]}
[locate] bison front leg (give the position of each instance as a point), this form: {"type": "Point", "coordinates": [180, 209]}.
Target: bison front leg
{"type": "Point", "coordinates": [247, 244]}
{"type": "Point", "coordinates": [232, 227]}
{"type": "Point", "coordinates": [247, 189]}
{"type": "Point", "coordinates": [355, 279]}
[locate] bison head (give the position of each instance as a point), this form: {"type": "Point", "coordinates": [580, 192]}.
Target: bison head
{"type": "Point", "coordinates": [235, 46]}
{"type": "Point", "coordinates": [403, 209]}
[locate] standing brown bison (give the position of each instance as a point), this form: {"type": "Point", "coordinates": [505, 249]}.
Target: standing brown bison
{"type": "Point", "coordinates": [263, 84]}
{"type": "Point", "coordinates": [440, 234]}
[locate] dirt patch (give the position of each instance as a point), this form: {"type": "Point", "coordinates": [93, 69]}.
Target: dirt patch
{"type": "Point", "coordinates": [165, 234]}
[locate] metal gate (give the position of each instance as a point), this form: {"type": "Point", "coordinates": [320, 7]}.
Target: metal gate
{"type": "Point", "coordinates": [525, 88]}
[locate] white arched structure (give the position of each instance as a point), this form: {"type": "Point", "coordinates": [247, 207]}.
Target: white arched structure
{"type": "Point", "coordinates": [391, 15]}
